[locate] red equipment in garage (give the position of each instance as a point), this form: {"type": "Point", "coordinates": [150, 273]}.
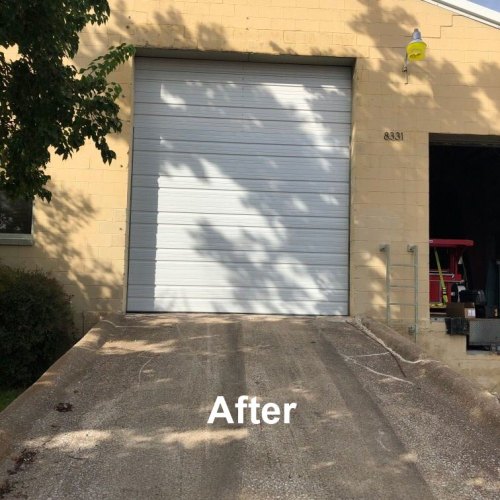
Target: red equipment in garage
{"type": "Point", "coordinates": [444, 272]}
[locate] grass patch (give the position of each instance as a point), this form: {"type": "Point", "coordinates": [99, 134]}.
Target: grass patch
{"type": "Point", "coordinates": [7, 396]}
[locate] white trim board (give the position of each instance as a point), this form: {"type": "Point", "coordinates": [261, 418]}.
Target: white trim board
{"type": "Point", "coordinates": [471, 10]}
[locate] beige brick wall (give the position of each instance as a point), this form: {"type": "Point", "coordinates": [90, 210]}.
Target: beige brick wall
{"type": "Point", "coordinates": [82, 235]}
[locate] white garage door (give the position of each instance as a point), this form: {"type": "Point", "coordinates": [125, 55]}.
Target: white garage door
{"type": "Point", "coordinates": [240, 188]}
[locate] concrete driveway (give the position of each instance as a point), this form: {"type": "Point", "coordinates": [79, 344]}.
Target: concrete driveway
{"type": "Point", "coordinates": [368, 424]}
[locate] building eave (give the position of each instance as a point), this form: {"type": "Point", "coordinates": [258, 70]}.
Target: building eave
{"type": "Point", "coordinates": [471, 10]}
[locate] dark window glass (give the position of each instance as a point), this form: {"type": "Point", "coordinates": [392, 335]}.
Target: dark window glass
{"type": "Point", "coordinates": [15, 215]}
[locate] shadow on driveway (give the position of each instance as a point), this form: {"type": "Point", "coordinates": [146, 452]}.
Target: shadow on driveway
{"type": "Point", "coordinates": [142, 388]}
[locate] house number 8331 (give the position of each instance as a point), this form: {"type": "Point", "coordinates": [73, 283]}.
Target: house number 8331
{"type": "Point", "coordinates": [393, 136]}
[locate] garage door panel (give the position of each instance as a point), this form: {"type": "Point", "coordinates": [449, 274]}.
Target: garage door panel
{"type": "Point", "coordinates": [144, 111]}
{"type": "Point", "coordinates": [210, 85]}
{"type": "Point", "coordinates": [254, 137]}
{"type": "Point", "coordinates": [227, 74]}
{"type": "Point", "coordinates": [172, 124]}
{"type": "Point", "coordinates": [240, 188]}
{"type": "Point", "coordinates": [244, 185]}
{"type": "Point", "coordinates": [237, 238]}
{"type": "Point", "coordinates": [226, 78]}
{"type": "Point", "coordinates": [238, 256]}
{"type": "Point", "coordinates": [224, 292]}
{"type": "Point", "coordinates": [248, 99]}
{"type": "Point", "coordinates": [258, 149]}
{"type": "Point", "coordinates": [238, 220]}
{"type": "Point", "coordinates": [237, 133]}
{"type": "Point", "coordinates": [293, 97]}
{"type": "Point", "coordinates": [236, 167]}
{"type": "Point", "coordinates": [238, 275]}
{"type": "Point", "coordinates": [186, 200]}
{"type": "Point", "coordinates": [230, 70]}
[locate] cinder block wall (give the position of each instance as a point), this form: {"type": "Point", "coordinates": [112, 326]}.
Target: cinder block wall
{"type": "Point", "coordinates": [82, 235]}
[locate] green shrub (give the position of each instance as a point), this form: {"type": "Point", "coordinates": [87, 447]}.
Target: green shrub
{"type": "Point", "coordinates": [36, 325]}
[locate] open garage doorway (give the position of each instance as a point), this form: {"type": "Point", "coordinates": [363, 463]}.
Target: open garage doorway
{"type": "Point", "coordinates": [464, 221]}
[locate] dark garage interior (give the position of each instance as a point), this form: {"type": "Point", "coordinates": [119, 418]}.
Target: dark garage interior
{"type": "Point", "coordinates": [464, 202]}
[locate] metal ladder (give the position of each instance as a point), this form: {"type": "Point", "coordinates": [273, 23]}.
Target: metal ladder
{"type": "Point", "coordinates": [412, 249]}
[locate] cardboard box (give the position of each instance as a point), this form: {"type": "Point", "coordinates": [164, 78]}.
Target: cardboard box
{"type": "Point", "coordinates": [461, 310]}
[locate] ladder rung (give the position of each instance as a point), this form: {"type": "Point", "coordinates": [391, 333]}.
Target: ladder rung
{"type": "Point", "coordinates": [390, 287]}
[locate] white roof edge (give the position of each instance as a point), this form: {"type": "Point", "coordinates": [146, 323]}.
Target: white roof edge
{"type": "Point", "coordinates": [470, 9]}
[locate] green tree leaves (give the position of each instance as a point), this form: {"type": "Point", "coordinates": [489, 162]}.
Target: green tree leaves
{"type": "Point", "coordinates": [44, 101]}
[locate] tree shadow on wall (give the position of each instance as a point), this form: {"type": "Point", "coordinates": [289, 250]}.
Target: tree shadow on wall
{"type": "Point", "coordinates": [442, 96]}
{"type": "Point", "coordinates": [423, 104]}
{"type": "Point", "coordinates": [63, 246]}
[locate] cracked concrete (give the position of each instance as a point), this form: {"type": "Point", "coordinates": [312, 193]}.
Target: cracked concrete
{"type": "Point", "coordinates": [370, 422]}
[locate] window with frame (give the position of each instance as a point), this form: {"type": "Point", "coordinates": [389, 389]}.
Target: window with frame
{"type": "Point", "coordinates": [16, 220]}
